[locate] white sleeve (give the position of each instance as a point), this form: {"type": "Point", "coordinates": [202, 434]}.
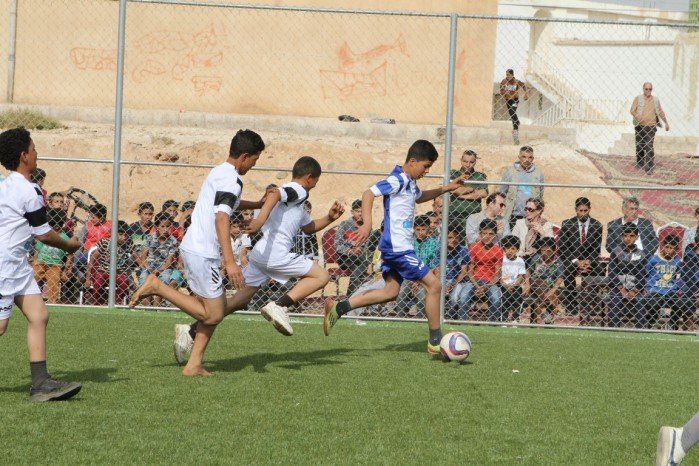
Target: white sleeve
{"type": "Point", "coordinates": [227, 197]}
{"type": "Point", "coordinates": [292, 194]}
{"type": "Point", "coordinates": [34, 209]}
{"type": "Point", "coordinates": [390, 185]}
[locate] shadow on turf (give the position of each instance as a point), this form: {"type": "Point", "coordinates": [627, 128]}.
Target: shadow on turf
{"type": "Point", "coordinates": [296, 360]}
{"type": "Point", "coordinates": [98, 375]}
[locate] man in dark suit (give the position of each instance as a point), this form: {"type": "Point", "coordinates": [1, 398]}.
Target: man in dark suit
{"type": "Point", "coordinates": [647, 241]}
{"type": "Point", "coordinates": [580, 242]}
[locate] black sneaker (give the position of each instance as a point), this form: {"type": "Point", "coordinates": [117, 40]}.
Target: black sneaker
{"type": "Point", "coordinates": [54, 390]}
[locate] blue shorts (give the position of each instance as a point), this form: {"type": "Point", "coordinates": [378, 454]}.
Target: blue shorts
{"type": "Point", "coordinates": [403, 266]}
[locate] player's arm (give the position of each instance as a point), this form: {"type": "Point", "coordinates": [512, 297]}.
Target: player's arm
{"type": "Point", "coordinates": [256, 223]}
{"type": "Point", "coordinates": [51, 238]}
{"type": "Point", "coordinates": [364, 230]}
{"type": "Point", "coordinates": [245, 205]}
{"type": "Point", "coordinates": [430, 194]}
{"type": "Point", "coordinates": [316, 225]}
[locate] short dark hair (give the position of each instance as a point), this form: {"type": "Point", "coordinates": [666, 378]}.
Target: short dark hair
{"type": "Point", "coordinates": [12, 143]}
{"type": "Point", "coordinates": [186, 205]}
{"type": "Point", "coordinates": [356, 204]}
{"type": "Point", "coordinates": [145, 206]}
{"type": "Point", "coordinates": [671, 240]}
{"type": "Point", "coordinates": [457, 228]}
{"type": "Point", "coordinates": [187, 222]}
{"type": "Point", "coordinates": [546, 241]}
{"type": "Point", "coordinates": [470, 153]}
{"type": "Point", "coordinates": [246, 141]}
{"type": "Point", "coordinates": [122, 227]}
{"type": "Point", "coordinates": [236, 217]}
{"type": "Point", "coordinates": [170, 203]}
{"type": "Point", "coordinates": [37, 175]}
{"type": "Point", "coordinates": [510, 71]}
{"type": "Point", "coordinates": [422, 150]}
{"type": "Point", "coordinates": [492, 197]}
{"type": "Point", "coordinates": [56, 217]}
{"type": "Point", "coordinates": [528, 149]}
{"type": "Point", "coordinates": [306, 166]}
{"type": "Point", "coordinates": [161, 217]}
{"type": "Point", "coordinates": [510, 241]}
{"type": "Point", "coordinates": [582, 201]}
{"type": "Point", "coordinates": [54, 195]}
{"type": "Point", "coordinates": [99, 210]}
{"type": "Point", "coordinates": [630, 228]}
{"type": "Point", "coordinates": [488, 224]}
{"type": "Point", "coordinates": [422, 221]}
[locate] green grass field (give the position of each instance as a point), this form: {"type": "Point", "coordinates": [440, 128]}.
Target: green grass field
{"type": "Point", "coordinates": [367, 394]}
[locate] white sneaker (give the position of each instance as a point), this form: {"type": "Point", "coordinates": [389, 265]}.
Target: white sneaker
{"type": "Point", "coordinates": [669, 451]}
{"type": "Point", "coordinates": [183, 343]}
{"type": "Point", "coordinates": [278, 316]}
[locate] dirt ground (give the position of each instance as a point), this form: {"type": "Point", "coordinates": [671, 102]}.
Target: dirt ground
{"type": "Point", "coordinates": [140, 183]}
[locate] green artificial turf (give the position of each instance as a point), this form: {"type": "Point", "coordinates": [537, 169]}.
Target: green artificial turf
{"type": "Point", "coordinates": [366, 394]}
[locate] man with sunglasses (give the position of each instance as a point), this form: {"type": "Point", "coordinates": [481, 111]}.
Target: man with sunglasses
{"type": "Point", "coordinates": [647, 113]}
{"type": "Point", "coordinates": [494, 205]}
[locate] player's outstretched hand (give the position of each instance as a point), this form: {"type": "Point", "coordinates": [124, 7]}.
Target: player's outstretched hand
{"type": "Point", "coordinates": [457, 182]}
{"type": "Point", "coordinates": [252, 227]}
{"type": "Point", "coordinates": [235, 275]}
{"type": "Point", "coordinates": [336, 211]}
{"type": "Point", "coordinates": [73, 244]}
{"type": "Point", "coordinates": [362, 234]}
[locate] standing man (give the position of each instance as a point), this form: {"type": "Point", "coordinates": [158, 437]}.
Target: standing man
{"type": "Point", "coordinates": [509, 90]}
{"type": "Point", "coordinates": [647, 113]}
{"type": "Point", "coordinates": [466, 200]}
{"type": "Point", "coordinates": [516, 197]}
{"type": "Point", "coordinates": [23, 216]}
{"type": "Point", "coordinates": [646, 242]}
{"type": "Point", "coordinates": [580, 242]}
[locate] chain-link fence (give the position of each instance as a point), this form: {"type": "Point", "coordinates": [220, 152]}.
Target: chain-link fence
{"type": "Point", "coordinates": [593, 213]}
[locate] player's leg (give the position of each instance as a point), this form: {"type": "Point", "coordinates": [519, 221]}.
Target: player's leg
{"type": "Point", "coordinates": [335, 310]}
{"type": "Point", "coordinates": [4, 322]}
{"type": "Point", "coordinates": [675, 442]}
{"type": "Point", "coordinates": [433, 287]}
{"type": "Point", "coordinates": [44, 387]}
{"type": "Point", "coordinates": [315, 279]}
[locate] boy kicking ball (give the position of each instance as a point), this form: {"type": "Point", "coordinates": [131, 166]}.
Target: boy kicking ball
{"type": "Point", "coordinates": [400, 262]}
{"type": "Point", "coordinates": [23, 216]}
{"type": "Point", "coordinates": [282, 215]}
{"type": "Point", "coordinates": [206, 240]}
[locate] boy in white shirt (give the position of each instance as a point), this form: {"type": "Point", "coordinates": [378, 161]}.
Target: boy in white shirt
{"type": "Point", "coordinates": [240, 242]}
{"type": "Point", "coordinates": [513, 279]}
{"type": "Point", "coordinates": [23, 216]}
{"type": "Point", "coordinates": [281, 216]}
{"type": "Point", "coordinates": [208, 240]}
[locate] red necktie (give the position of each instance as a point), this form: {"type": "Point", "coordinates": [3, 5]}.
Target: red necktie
{"type": "Point", "coordinates": [583, 235]}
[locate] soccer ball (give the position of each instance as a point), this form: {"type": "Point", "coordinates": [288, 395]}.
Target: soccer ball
{"type": "Point", "coordinates": [455, 346]}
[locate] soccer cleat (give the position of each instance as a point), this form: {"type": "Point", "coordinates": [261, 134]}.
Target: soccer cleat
{"type": "Point", "coordinates": [183, 343]}
{"type": "Point", "coordinates": [330, 317]}
{"type": "Point", "coordinates": [433, 349]}
{"type": "Point", "coordinates": [669, 451]}
{"type": "Point", "coordinates": [279, 318]}
{"type": "Point", "coordinates": [54, 390]}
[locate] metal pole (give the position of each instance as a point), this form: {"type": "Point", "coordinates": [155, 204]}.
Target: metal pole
{"type": "Point", "coordinates": [117, 152]}
{"type": "Point", "coordinates": [11, 56]}
{"type": "Point", "coordinates": [447, 163]}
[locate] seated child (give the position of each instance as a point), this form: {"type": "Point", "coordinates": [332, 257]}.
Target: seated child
{"type": "Point", "coordinates": [457, 266]}
{"type": "Point", "coordinates": [49, 261]}
{"type": "Point", "coordinates": [159, 253]}
{"type": "Point", "coordinates": [627, 277]}
{"type": "Point", "coordinates": [484, 273]}
{"type": "Point", "coordinates": [97, 275]}
{"type": "Point", "coordinates": [514, 279]}
{"type": "Point", "coordinates": [664, 285]}
{"type": "Point", "coordinates": [546, 278]}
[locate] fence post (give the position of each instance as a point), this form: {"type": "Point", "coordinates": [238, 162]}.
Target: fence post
{"type": "Point", "coordinates": [447, 162]}
{"type": "Point", "coordinates": [11, 55]}
{"type": "Point", "coordinates": [118, 107]}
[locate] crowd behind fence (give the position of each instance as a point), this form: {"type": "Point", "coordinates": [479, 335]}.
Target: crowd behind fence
{"type": "Point", "coordinates": [568, 91]}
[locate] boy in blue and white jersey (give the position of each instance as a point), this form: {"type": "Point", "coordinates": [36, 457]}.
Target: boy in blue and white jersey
{"type": "Point", "coordinates": [400, 194]}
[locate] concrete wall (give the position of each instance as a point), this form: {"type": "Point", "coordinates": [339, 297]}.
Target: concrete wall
{"type": "Point", "coordinates": [247, 61]}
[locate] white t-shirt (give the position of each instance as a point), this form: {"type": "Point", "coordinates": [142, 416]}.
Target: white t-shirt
{"type": "Point", "coordinates": [280, 229]}
{"type": "Point", "coordinates": [242, 241]}
{"type": "Point", "coordinates": [220, 193]}
{"type": "Point", "coordinates": [400, 193]}
{"type": "Point", "coordinates": [512, 270]}
{"type": "Point", "coordinates": [22, 215]}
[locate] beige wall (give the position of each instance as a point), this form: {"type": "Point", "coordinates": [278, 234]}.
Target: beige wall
{"type": "Point", "coordinates": [258, 61]}
{"type": "Point", "coordinates": [4, 46]}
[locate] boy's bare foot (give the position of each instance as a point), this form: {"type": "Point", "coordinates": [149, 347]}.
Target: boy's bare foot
{"type": "Point", "coordinates": [192, 372]}
{"type": "Point", "coordinates": [149, 288]}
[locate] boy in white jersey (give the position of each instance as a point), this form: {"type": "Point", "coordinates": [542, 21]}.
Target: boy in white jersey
{"type": "Point", "coordinates": [282, 215]}
{"type": "Point", "coordinates": [400, 262]}
{"type": "Point", "coordinates": [206, 240]}
{"type": "Point", "coordinates": [23, 215]}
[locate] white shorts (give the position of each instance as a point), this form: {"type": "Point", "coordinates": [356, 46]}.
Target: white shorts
{"type": "Point", "coordinates": [257, 274]}
{"type": "Point", "coordinates": [11, 287]}
{"type": "Point", "coordinates": [203, 275]}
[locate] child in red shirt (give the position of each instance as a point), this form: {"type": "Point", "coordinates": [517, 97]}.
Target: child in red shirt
{"type": "Point", "coordinates": [484, 272]}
